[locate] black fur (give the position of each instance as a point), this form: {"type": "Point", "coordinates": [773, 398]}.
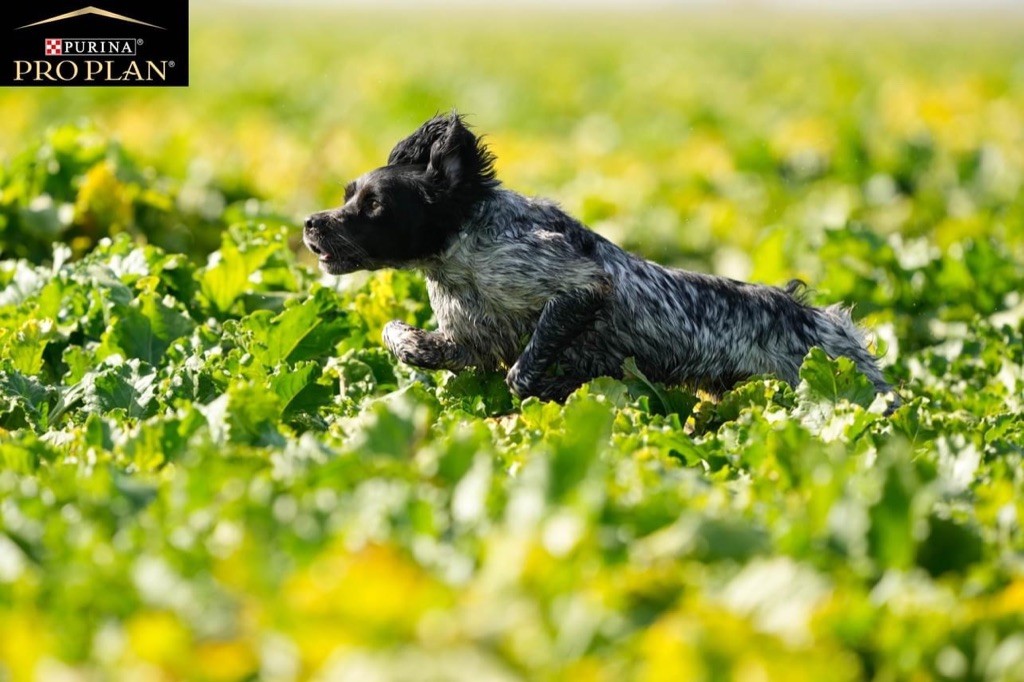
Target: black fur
{"type": "Point", "coordinates": [407, 211]}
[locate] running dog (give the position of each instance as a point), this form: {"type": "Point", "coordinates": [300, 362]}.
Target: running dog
{"type": "Point", "coordinates": [518, 284]}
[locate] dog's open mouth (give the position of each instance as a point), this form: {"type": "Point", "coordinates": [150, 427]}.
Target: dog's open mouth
{"type": "Point", "coordinates": [330, 262]}
{"type": "Point", "coordinates": [323, 255]}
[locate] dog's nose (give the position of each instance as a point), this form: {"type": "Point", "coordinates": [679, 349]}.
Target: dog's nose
{"type": "Point", "coordinates": [309, 222]}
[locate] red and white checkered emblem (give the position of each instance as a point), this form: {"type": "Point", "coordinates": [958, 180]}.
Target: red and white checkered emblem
{"type": "Point", "coordinates": [54, 46]}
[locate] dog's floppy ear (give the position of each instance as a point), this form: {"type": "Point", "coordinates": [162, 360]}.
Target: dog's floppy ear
{"type": "Point", "coordinates": [415, 149]}
{"type": "Point", "coordinates": [459, 160]}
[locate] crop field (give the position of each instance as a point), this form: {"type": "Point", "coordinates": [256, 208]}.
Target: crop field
{"type": "Point", "coordinates": [210, 468]}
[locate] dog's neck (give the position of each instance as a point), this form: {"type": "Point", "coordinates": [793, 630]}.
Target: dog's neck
{"type": "Point", "coordinates": [451, 266]}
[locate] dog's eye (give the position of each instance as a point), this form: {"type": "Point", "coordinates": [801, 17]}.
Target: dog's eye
{"type": "Point", "coordinates": [374, 206]}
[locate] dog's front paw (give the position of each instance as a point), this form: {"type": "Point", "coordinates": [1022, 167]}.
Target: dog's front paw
{"type": "Point", "coordinates": [418, 347]}
{"type": "Point", "coordinates": [402, 340]}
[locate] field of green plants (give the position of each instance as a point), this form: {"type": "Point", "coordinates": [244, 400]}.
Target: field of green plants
{"type": "Point", "coordinates": [210, 468]}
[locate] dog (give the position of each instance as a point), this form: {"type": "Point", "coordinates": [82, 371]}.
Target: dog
{"type": "Point", "coordinates": [517, 284]}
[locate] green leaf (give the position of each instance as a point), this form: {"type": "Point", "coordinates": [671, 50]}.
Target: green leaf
{"type": "Point", "coordinates": [161, 439]}
{"type": "Point", "coordinates": [672, 400]}
{"type": "Point", "coordinates": [146, 329]}
{"type": "Point", "coordinates": [245, 414]}
{"type": "Point", "coordinates": [25, 454]}
{"type": "Point", "coordinates": [827, 389]}
{"type": "Point", "coordinates": [308, 330]}
{"type": "Point", "coordinates": [24, 347]}
{"type": "Point", "coordinates": [476, 392]}
{"type": "Point", "coordinates": [128, 387]}
{"type": "Point", "coordinates": [459, 448]}
{"type": "Point", "coordinates": [757, 394]}
{"type": "Point", "coordinates": [79, 362]}
{"type": "Point", "coordinates": [392, 425]}
{"type": "Point", "coordinates": [584, 435]}
{"type": "Point", "coordinates": [24, 401]}
{"type": "Point", "coordinates": [823, 380]}
{"type": "Point", "coordinates": [299, 389]}
{"type": "Point", "coordinates": [227, 275]}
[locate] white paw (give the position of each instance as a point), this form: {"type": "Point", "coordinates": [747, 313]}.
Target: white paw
{"type": "Point", "coordinates": [393, 332]}
{"type": "Point", "coordinates": [404, 341]}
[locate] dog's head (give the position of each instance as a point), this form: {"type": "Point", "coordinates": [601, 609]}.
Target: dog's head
{"type": "Point", "coordinates": [406, 212]}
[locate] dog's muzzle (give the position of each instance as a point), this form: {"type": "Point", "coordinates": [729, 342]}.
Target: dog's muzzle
{"type": "Point", "coordinates": [316, 239]}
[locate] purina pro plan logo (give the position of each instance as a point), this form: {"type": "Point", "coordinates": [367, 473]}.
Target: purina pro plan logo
{"type": "Point", "coordinates": [121, 43]}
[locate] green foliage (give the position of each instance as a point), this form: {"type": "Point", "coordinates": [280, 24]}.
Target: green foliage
{"type": "Point", "coordinates": [211, 469]}
{"type": "Point", "coordinates": [77, 186]}
{"type": "Point", "coordinates": [276, 457]}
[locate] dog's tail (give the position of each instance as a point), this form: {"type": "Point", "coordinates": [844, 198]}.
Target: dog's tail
{"type": "Point", "coordinates": [840, 336]}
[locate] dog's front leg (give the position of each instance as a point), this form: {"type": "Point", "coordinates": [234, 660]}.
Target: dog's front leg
{"type": "Point", "coordinates": [421, 348]}
{"type": "Point", "coordinates": [561, 320]}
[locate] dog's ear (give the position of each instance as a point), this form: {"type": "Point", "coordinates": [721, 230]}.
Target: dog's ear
{"type": "Point", "coordinates": [415, 149]}
{"type": "Point", "coordinates": [459, 160]}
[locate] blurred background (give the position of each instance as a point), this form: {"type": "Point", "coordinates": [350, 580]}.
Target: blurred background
{"type": "Point", "coordinates": [725, 136]}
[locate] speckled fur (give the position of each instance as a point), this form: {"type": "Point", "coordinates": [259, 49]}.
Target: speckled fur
{"type": "Point", "coordinates": [516, 255]}
{"type": "Point", "coordinates": [521, 285]}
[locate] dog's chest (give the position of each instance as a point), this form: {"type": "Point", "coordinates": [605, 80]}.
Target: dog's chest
{"type": "Point", "coordinates": [477, 311]}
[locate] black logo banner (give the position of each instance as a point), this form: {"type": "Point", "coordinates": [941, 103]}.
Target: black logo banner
{"type": "Point", "coordinates": [112, 43]}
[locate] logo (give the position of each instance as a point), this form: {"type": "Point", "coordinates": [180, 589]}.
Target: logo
{"type": "Point", "coordinates": [151, 50]}
{"type": "Point", "coordinates": [102, 47]}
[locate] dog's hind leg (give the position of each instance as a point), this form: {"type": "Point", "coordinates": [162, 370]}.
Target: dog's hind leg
{"type": "Point", "coordinates": [425, 349]}
{"type": "Point", "coordinates": [561, 320]}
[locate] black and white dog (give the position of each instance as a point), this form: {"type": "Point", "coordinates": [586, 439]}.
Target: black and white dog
{"type": "Point", "coordinates": [517, 283]}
